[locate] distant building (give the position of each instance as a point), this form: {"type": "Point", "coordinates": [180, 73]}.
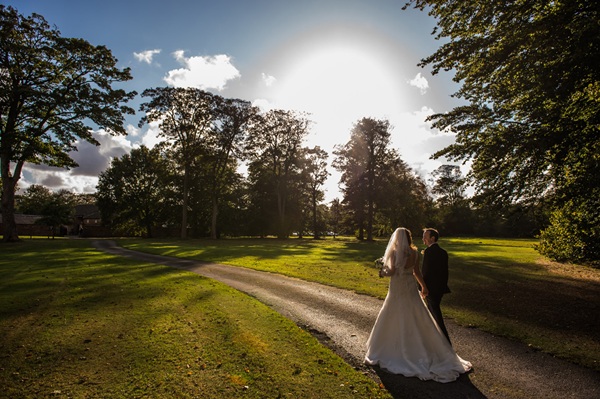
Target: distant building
{"type": "Point", "coordinates": [88, 222]}
{"type": "Point", "coordinates": [27, 225]}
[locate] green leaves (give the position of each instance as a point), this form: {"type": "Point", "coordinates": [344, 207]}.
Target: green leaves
{"type": "Point", "coordinates": [135, 192]}
{"type": "Point", "coordinates": [379, 188]}
{"type": "Point", "coordinates": [529, 74]}
{"type": "Point", "coordinates": [573, 231]}
{"type": "Point", "coordinates": [521, 66]}
{"type": "Point", "coordinates": [52, 91]}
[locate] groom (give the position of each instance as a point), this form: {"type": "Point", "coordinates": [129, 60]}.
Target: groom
{"type": "Point", "coordinates": [435, 274]}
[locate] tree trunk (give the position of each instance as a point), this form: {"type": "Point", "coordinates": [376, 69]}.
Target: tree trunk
{"type": "Point", "coordinates": [370, 221]}
{"type": "Point", "coordinates": [215, 214]}
{"type": "Point", "coordinates": [361, 227]}
{"type": "Point", "coordinates": [184, 210]}
{"type": "Point", "coordinates": [281, 211]}
{"type": "Point", "coordinates": [8, 208]}
{"type": "Point", "coordinates": [314, 206]}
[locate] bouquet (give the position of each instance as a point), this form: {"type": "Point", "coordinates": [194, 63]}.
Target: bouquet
{"type": "Point", "coordinates": [383, 270]}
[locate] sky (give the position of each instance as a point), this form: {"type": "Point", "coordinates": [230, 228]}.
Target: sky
{"type": "Point", "coordinates": [337, 60]}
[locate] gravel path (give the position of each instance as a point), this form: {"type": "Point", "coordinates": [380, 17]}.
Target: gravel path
{"type": "Point", "coordinates": [342, 320]}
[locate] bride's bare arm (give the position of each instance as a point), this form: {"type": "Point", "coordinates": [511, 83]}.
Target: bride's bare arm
{"type": "Point", "coordinates": [418, 275]}
{"type": "Point", "coordinates": [392, 261]}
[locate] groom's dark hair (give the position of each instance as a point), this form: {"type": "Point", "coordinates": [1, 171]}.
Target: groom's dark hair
{"type": "Point", "coordinates": [432, 233]}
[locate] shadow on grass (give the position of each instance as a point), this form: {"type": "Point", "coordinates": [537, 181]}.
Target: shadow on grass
{"type": "Point", "coordinates": [401, 387]}
{"type": "Point", "coordinates": [95, 284]}
{"type": "Point", "coordinates": [262, 248]}
{"type": "Point", "coordinates": [559, 303]}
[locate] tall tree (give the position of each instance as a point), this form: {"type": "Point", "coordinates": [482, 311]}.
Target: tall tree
{"type": "Point", "coordinates": [59, 211]}
{"type": "Point", "coordinates": [315, 169]}
{"type": "Point", "coordinates": [449, 185]}
{"type": "Point", "coordinates": [334, 216]}
{"type": "Point", "coordinates": [34, 198]}
{"type": "Point", "coordinates": [402, 198]}
{"type": "Point", "coordinates": [51, 89]}
{"type": "Point", "coordinates": [185, 117]}
{"type": "Point", "coordinates": [531, 125]}
{"type": "Point", "coordinates": [362, 162]}
{"type": "Point", "coordinates": [134, 193]}
{"type": "Point", "coordinates": [225, 145]}
{"type": "Point", "coordinates": [203, 183]}
{"type": "Point", "coordinates": [451, 204]}
{"type": "Point", "coordinates": [262, 203]}
{"type": "Point", "coordinates": [273, 146]}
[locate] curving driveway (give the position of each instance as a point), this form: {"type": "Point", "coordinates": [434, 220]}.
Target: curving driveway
{"type": "Point", "coordinates": [342, 320]}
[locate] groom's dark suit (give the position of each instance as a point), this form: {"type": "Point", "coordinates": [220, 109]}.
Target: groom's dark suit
{"type": "Point", "coordinates": [435, 274]}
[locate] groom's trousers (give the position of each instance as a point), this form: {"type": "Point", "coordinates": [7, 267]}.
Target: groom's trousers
{"type": "Point", "coordinates": [433, 304]}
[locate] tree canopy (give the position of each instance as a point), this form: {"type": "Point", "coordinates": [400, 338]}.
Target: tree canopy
{"type": "Point", "coordinates": [204, 130]}
{"type": "Point", "coordinates": [136, 192]}
{"type": "Point", "coordinates": [185, 117]}
{"type": "Point", "coordinates": [51, 89]}
{"type": "Point", "coordinates": [377, 184]}
{"type": "Point", "coordinates": [274, 150]}
{"type": "Point", "coordinates": [531, 126]}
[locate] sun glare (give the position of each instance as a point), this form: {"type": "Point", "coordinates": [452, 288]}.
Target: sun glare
{"type": "Point", "coordinates": [338, 84]}
{"type": "Point", "coordinates": [341, 79]}
{"type": "Point", "coordinates": [340, 75]}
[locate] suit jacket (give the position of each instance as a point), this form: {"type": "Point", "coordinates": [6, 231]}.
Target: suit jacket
{"type": "Point", "coordinates": [435, 270]}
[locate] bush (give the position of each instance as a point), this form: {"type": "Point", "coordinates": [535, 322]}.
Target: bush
{"type": "Point", "coordinates": [574, 232]}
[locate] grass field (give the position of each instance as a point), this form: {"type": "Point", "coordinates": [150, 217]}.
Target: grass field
{"type": "Point", "coordinates": [80, 323]}
{"type": "Point", "coordinates": [502, 286]}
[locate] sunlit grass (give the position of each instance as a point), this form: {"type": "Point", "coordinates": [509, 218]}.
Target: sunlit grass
{"type": "Point", "coordinates": [76, 322]}
{"type": "Point", "coordinates": [502, 286]}
{"type": "Point", "coordinates": [343, 262]}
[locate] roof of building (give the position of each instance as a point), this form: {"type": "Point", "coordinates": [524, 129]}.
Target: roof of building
{"type": "Point", "coordinates": [87, 211]}
{"type": "Point", "coordinates": [24, 219]}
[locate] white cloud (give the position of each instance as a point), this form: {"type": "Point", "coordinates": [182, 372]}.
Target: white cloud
{"type": "Point", "coordinates": [420, 83]}
{"type": "Point", "coordinates": [146, 56]}
{"type": "Point", "coordinates": [92, 161]}
{"type": "Point", "coordinates": [263, 104]}
{"type": "Point", "coordinates": [133, 131]}
{"type": "Point", "coordinates": [56, 179]}
{"type": "Point", "coordinates": [209, 72]}
{"type": "Point", "coordinates": [268, 79]}
{"type": "Point", "coordinates": [151, 138]}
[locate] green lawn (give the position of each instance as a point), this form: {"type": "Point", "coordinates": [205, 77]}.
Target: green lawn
{"type": "Point", "coordinates": [342, 262]}
{"type": "Point", "coordinates": [502, 286]}
{"type": "Point", "coordinates": [80, 323]}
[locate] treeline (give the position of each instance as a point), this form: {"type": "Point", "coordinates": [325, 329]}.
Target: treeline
{"type": "Point", "coordinates": [141, 194]}
{"type": "Point", "coordinates": [281, 192]}
{"type": "Point", "coordinates": [191, 181]}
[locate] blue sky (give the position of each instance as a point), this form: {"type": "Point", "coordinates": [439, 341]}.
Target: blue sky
{"type": "Point", "coordinates": [338, 60]}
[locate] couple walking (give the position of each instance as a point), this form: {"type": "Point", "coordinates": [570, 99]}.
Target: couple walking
{"type": "Point", "coordinates": [409, 336]}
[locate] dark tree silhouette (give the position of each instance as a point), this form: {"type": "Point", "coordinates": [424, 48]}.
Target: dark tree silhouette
{"type": "Point", "coordinates": [51, 89]}
{"type": "Point", "coordinates": [531, 79]}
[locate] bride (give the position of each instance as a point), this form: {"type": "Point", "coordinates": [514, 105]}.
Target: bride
{"type": "Point", "coordinates": [405, 338]}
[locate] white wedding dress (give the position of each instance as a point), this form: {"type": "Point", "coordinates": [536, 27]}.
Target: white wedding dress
{"type": "Point", "coordinates": [405, 338]}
